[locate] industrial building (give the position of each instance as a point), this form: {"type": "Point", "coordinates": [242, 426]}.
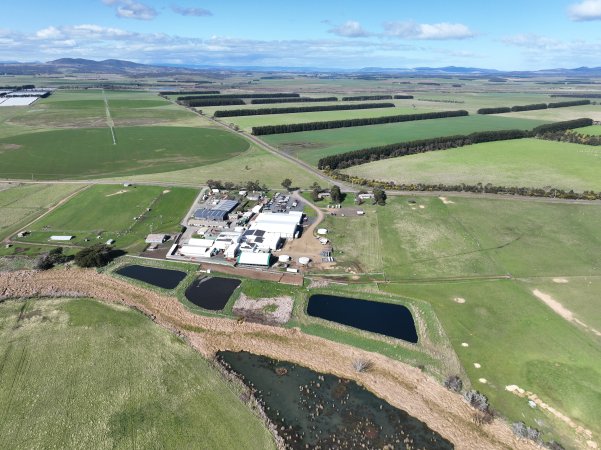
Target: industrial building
{"type": "Point", "coordinates": [283, 225]}
{"type": "Point", "coordinates": [216, 214]}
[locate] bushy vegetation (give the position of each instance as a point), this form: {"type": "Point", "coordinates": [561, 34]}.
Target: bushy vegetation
{"type": "Point", "coordinates": [298, 109]}
{"type": "Point", "coordinates": [560, 126]}
{"type": "Point", "coordinates": [498, 110]}
{"type": "Point", "coordinates": [572, 137]}
{"type": "Point", "coordinates": [532, 107]}
{"type": "Point", "coordinates": [453, 383]}
{"type": "Point", "coordinates": [403, 97]}
{"type": "Point", "coordinates": [327, 125]}
{"type": "Point", "coordinates": [263, 101]}
{"type": "Point", "coordinates": [344, 160]}
{"type": "Point", "coordinates": [577, 95]}
{"type": "Point", "coordinates": [49, 259]}
{"type": "Point", "coordinates": [95, 256]}
{"type": "Point", "coordinates": [571, 103]}
{"type": "Point", "coordinates": [366, 97]}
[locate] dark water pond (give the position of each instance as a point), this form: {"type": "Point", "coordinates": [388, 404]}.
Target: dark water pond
{"type": "Point", "coordinates": [313, 410]}
{"type": "Point", "coordinates": [163, 278]}
{"type": "Point", "coordinates": [211, 293]}
{"type": "Point", "coordinates": [384, 318]}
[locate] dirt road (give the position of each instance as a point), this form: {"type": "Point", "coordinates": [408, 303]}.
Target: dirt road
{"type": "Point", "coordinates": [401, 385]}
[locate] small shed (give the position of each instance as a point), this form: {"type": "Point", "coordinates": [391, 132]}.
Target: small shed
{"type": "Point", "coordinates": [156, 238]}
{"type": "Point", "coordinates": [322, 231]}
{"type": "Point", "coordinates": [61, 238]}
{"type": "Point", "coordinates": [110, 242]}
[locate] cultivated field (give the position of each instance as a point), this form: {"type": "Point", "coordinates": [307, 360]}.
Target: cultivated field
{"type": "Point", "coordinates": [21, 204]}
{"type": "Point", "coordinates": [111, 211]}
{"type": "Point", "coordinates": [522, 163]}
{"type": "Point", "coordinates": [82, 374]}
{"type": "Point", "coordinates": [594, 130]}
{"type": "Point", "coordinates": [90, 153]}
{"type": "Point", "coordinates": [310, 146]}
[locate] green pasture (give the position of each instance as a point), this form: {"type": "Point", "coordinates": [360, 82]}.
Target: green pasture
{"type": "Point", "coordinates": [522, 163]}
{"type": "Point", "coordinates": [310, 146]}
{"type": "Point", "coordinates": [115, 212]}
{"type": "Point", "coordinates": [78, 373]}
{"type": "Point", "coordinates": [23, 203]}
{"type": "Point", "coordinates": [594, 130]}
{"type": "Point", "coordinates": [90, 153]}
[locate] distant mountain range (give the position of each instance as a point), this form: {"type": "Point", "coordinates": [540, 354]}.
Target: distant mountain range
{"type": "Point", "coordinates": [116, 66]}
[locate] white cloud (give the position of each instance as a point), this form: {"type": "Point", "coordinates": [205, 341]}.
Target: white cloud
{"type": "Point", "coordinates": [535, 41]}
{"type": "Point", "coordinates": [197, 12]}
{"type": "Point", "coordinates": [131, 9]}
{"type": "Point", "coordinates": [425, 31]}
{"type": "Point", "coordinates": [585, 10]}
{"type": "Point", "coordinates": [350, 28]}
{"type": "Point", "coordinates": [48, 33]}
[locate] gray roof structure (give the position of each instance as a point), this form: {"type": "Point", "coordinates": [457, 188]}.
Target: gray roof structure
{"type": "Point", "coordinates": [218, 212]}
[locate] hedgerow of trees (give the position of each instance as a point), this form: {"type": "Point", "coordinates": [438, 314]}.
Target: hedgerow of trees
{"type": "Point", "coordinates": [403, 97]}
{"type": "Point", "coordinates": [95, 256]}
{"type": "Point", "coordinates": [366, 155]}
{"type": "Point", "coordinates": [265, 101]}
{"type": "Point", "coordinates": [214, 102]}
{"type": "Point", "coordinates": [577, 95]}
{"type": "Point", "coordinates": [299, 109]}
{"type": "Point", "coordinates": [327, 125]}
{"type": "Point", "coordinates": [506, 109]}
{"type": "Point", "coordinates": [366, 97]}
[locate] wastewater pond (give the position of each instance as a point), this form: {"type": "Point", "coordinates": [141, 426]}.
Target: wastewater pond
{"type": "Point", "coordinates": [313, 410]}
{"type": "Point", "coordinates": [211, 293]}
{"type": "Point", "coordinates": [163, 278]}
{"type": "Point", "coordinates": [384, 318]}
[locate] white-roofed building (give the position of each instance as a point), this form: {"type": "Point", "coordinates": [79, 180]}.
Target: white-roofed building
{"type": "Point", "coordinates": [195, 242]}
{"type": "Point", "coordinates": [283, 225]}
{"type": "Point", "coordinates": [254, 259]}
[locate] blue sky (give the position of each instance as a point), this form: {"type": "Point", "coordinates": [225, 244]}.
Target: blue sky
{"type": "Point", "coordinates": [509, 34]}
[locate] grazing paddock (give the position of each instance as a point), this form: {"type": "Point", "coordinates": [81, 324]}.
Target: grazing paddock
{"type": "Point", "coordinates": [22, 204]}
{"type": "Point", "coordinates": [109, 211]}
{"type": "Point", "coordinates": [522, 163]}
{"type": "Point", "coordinates": [77, 373]}
{"type": "Point", "coordinates": [310, 146]}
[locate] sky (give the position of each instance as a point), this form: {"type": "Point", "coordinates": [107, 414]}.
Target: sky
{"type": "Point", "coordinates": [504, 35]}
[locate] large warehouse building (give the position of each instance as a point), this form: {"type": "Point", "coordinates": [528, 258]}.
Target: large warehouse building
{"type": "Point", "coordinates": [283, 225]}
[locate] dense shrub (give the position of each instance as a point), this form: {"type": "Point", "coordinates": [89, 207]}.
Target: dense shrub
{"type": "Point", "coordinates": [299, 109]}
{"type": "Point", "coordinates": [570, 103]}
{"type": "Point", "coordinates": [476, 400]}
{"type": "Point", "coordinates": [453, 383]}
{"type": "Point", "coordinates": [327, 125]}
{"type": "Point", "coordinates": [560, 126]}
{"type": "Point", "coordinates": [529, 107]}
{"type": "Point", "coordinates": [48, 260]}
{"type": "Point", "coordinates": [403, 97]}
{"type": "Point", "coordinates": [499, 110]}
{"type": "Point", "coordinates": [95, 256]}
{"type": "Point", "coordinates": [577, 95]}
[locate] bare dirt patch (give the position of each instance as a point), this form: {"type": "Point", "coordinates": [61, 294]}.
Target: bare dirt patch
{"type": "Point", "coordinates": [446, 201]}
{"type": "Point", "coordinates": [562, 310]}
{"type": "Point", "coordinates": [7, 147]}
{"type": "Point", "coordinates": [122, 191]}
{"type": "Point", "coordinates": [560, 280]}
{"type": "Point", "coordinates": [459, 300]}
{"type": "Point", "coordinates": [276, 310]}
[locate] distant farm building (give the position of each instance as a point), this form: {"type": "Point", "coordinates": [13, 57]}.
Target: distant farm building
{"type": "Point", "coordinates": [61, 238]}
{"type": "Point", "coordinates": [156, 238]}
{"type": "Point", "coordinates": [217, 213]}
{"type": "Point", "coordinates": [254, 259]}
{"type": "Point", "coordinates": [283, 225]}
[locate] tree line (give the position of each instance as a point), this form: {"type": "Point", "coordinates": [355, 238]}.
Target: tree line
{"type": "Point", "coordinates": [403, 97]}
{"type": "Point", "coordinates": [299, 109]}
{"type": "Point", "coordinates": [357, 157]}
{"type": "Point", "coordinates": [330, 124]}
{"type": "Point", "coordinates": [263, 101]}
{"type": "Point", "coordinates": [366, 97]}
{"type": "Point", "coordinates": [214, 102]}
{"type": "Point", "coordinates": [475, 188]}
{"type": "Point", "coordinates": [572, 137]}
{"type": "Point", "coordinates": [506, 109]}
{"type": "Point", "coordinates": [577, 95]}
{"type": "Point", "coordinates": [195, 97]}
{"type": "Point", "coordinates": [363, 156]}
{"type": "Point", "coordinates": [188, 92]}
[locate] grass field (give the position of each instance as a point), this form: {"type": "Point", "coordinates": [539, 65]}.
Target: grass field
{"type": "Point", "coordinates": [524, 163]}
{"type": "Point", "coordinates": [90, 153]}
{"type": "Point", "coordinates": [108, 211]}
{"type": "Point", "coordinates": [21, 204]}
{"type": "Point", "coordinates": [437, 252]}
{"type": "Point", "coordinates": [594, 130]}
{"type": "Point", "coordinates": [253, 164]}
{"type": "Point", "coordinates": [310, 146]}
{"type": "Point", "coordinates": [81, 374]}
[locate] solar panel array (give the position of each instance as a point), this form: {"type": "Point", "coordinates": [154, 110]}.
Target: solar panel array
{"type": "Point", "coordinates": [218, 212]}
